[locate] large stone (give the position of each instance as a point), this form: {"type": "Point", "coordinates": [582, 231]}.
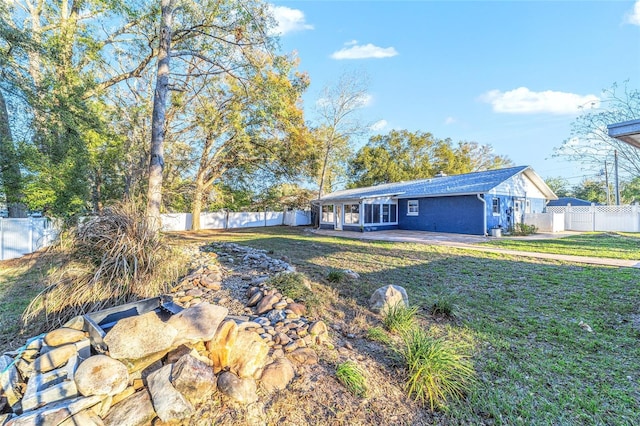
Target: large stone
{"type": "Point", "coordinates": [388, 296]}
{"type": "Point", "coordinates": [139, 336]}
{"type": "Point", "coordinates": [193, 378]}
{"type": "Point", "coordinates": [168, 403]}
{"type": "Point", "coordinates": [266, 303]}
{"type": "Point", "coordinates": [241, 390]}
{"type": "Point", "coordinates": [198, 323]}
{"type": "Point", "coordinates": [221, 345]}
{"type": "Point", "coordinates": [62, 336]}
{"type": "Point", "coordinates": [277, 375]}
{"type": "Point", "coordinates": [304, 356]}
{"type": "Point", "coordinates": [54, 358]}
{"type": "Point", "coordinates": [248, 354]}
{"type": "Point", "coordinates": [9, 380]}
{"type": "Point", "coordinates": [137, 410]}
{"type": "Point", "coordinates": [54, 414]}
{"type": "Point", "coordinates": [84, 418]}
{"type": "Point", "coordinates": [101, 375]}
{"type": "Point", "coordinates": [297, 308]}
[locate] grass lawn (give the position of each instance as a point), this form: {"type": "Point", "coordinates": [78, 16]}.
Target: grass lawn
{"type": "Point", "coordinates": [611, 245]}
{"type": "Point", "coordinates": [518, 317]}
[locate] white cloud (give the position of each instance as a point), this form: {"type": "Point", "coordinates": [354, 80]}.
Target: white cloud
{"type": "Point", "coordinates": [633, 17]}
{"type": "Point", "coordinates": [379, 125]}
{"type": "Point", "coordinates": [289, 20]}
{"type": "Point", "coordinates": [355, 51]}
{"type": "Point", "coordinates": [524, 101]}
{"type": "Point", "coordinates": [449, 120]}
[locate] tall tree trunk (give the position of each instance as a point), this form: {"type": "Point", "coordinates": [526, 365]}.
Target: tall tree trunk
{"type": "Point", "coordinates": [323, 175]}
{"type": "Point", "coordinates": [9, 167]}
{"type": "Point", "coordinates": [197, 203]}
{"type": "Point", "coordinates": [156, 160]}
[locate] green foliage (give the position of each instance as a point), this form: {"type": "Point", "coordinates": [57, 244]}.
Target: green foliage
{"type": "Point", "coordinates": [377, 334]}
{"type": "Point", "coordinates": [559, 185]}
{"type": "Point", "coordinates": [404, 155]}
{"type": "Point", "coordinates": [296, 286]}
{"type": "Point", "coordinates": [398, 318]}
{"type": "Point", "coordinates": [437, 372]}
{"type": "Point", "coordinates": [444, 305]}
{"type": "Point", "coordinates": [591, 190]}
{"type": "Point", "coordinates": [631, 191]}
{"type": "Point", "coordinates": [522, 229]}
{"type": "Point", "coordinates": [336, 275]}
{"type": "Point", "coordinates": [352, 377]}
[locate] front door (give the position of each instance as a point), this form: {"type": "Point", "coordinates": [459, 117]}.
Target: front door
{"type": "Point", "coordinates": [517, 211]}
{"type": "Point", "coordinates": [338, 223]}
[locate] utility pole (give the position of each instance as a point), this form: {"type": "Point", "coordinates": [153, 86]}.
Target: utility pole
{"type": "Point", "coordinates": [606, 182]}
{"type": "Point", "coordinates": [617, 187]}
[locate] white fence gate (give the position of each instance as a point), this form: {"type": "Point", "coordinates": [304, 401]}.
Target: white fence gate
{"type": "Point", "coordinates": [23, 236]}
{"type": "Point", "coordinates": [600, 218]}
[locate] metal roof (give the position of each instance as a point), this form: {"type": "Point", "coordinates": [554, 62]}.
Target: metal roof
{"type": "Point", "coordinates": [627, 131]}
{"type": "Point", "coordinates": [465, 184]}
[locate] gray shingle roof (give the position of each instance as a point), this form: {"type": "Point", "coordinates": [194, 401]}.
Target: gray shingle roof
{"type": "Point", "coordinates": [469, 183]}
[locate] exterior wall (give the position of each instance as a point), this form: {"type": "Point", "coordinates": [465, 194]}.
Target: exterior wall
{"type": "Point", "coordinates": [369, 228]}
{"type": "Point", "coordinates": [508, 215]}
{"type": "Point", "coordinates": [459, 214]}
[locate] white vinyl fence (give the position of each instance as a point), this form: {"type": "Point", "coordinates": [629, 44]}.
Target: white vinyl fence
{"type": "Point", "coordinates": [599, 218]}
{"type": "Point", "coordinates": [23, 236]}
{"type": "Point", "coordinates": [230, 220]}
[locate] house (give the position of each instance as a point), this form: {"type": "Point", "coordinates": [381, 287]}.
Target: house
{"type": "Point", "coordinates": [471, 203]}
{"type": "Point", "coordinates": [627, 131]}
{"type": "Point", "coordinates": [565, 201]}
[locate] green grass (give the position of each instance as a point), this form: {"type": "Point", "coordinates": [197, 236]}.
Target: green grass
{"type": "Point", "coordinates": [397, 318]}
{"type": "Point", "coordinates": [336, 275]}
{"type": "Point", "coordinates": [519, 316]}
{"type": "Point", "coordinates": [607, 245]}
{"type": "Point", "coordinates": [352, 377]}
{"type": "Point", "coordinates": [378, 334]}
{"type": "Point", "coordinates": [437, 371]}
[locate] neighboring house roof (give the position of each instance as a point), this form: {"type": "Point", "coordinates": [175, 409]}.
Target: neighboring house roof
{"type": "Point", "coordinates": [563, 201]}
{"type": "Point", "coordinates": [627, 131]}
{"type": "Point", "coordinates": [465, 184]}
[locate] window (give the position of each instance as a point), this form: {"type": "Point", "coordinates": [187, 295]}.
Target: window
{"type": "Point", "coordinates": [351, 213]}
{"type": "Point", "coordinates": [380, 213]}
{"type": "Point", "coordinates": [495, 206]}
{"type": "Point", "coordinates": [327, 213]}
{"type": "Point", "coordinates": [412, 208]}
{"type": "Point", "coordinates": [527, 206]}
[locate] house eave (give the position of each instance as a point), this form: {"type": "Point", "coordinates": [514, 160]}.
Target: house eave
{"type": "Point", "coordinates": [626, 131]}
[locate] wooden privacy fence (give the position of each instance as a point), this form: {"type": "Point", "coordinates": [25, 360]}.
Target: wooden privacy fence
{"type": "Point", "coordinates": [597, 218]}
{"type": "Point", "coordinates": [23, 236]}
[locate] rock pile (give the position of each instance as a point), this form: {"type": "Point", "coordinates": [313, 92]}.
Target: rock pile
{"type": "Point", "coordinates": [235, 335]}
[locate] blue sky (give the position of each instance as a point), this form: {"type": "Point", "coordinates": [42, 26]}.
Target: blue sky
{"type": "Point", "coordinates": [511, 74]}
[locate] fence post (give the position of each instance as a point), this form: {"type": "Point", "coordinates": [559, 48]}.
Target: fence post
{"type": "Point", "coordinates": [30, 234]}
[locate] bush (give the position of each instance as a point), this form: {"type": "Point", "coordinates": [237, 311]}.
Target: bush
{"type": "Point", "coordinates": [436, 372]}
{"type": "Point", "coordinates": [444, 306]}
{"type": "Point", "coordinates": [522, 229]}
{"type": "Point", "coordinates": [377, 334]}
{"type": "Point", "coordinates": [352, 378]}
{"type": "Point", "coordinates": [113, 259]}
{"type": "Point", "coordinates": [336, 276]}
{"type": "Point", "coordinates": [296, 286]}
{"type": "Point", "coordinates": [399, 317]}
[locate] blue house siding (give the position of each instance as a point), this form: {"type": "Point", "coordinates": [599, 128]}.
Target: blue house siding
{"type": "Point", "coordinates": [456, 214]}
{"type": "Point", "coordinates": [505, 218]}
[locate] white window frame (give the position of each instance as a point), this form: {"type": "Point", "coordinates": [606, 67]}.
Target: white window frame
{"type": "Point", "coordinates": [495, 207]}
{"type": "Point", "coordinates": [331, 213]}
{"type": "Point", "coordinates": [413, 207]}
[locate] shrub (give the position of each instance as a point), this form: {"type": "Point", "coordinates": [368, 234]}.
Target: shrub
{"type": "Point", "coordinates": [445, 306]}
{"type": "Point", "coordinates": [522, 229]}
{"type": "Point", "coordinates": [336, 276]}
{"type": "Point", "coordinates": [296, 286]}
{"type": "Point", "coordinates": [352, 378]}
{"type": "Point", "coordinates": [436, 372]}
{"type": "Point", "coordinates": [399, 317]}
{"type": "Point", "coordinates": [113, 259]}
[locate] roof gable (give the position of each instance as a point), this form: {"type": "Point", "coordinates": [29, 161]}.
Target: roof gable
{"type": "Point", "coordinates": [464, 184]}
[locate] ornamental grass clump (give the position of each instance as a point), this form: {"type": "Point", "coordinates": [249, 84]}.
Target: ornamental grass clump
{"type": "Point", "coordinates": [352, 377]}
{"type": "Point", "coordinates": [336, 276]}
{"type": "Point", "coordinates": [436, 371]}
{"type": "Point", "coordinates": [295, 285]}
{"type": "Point", "coordinates": [114, 258]}
{"type": "Point", "coordinates": [399, 317]}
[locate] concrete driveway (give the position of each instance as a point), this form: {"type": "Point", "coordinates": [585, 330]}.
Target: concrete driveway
{"type": "Point", "coordinates": [472, 242]}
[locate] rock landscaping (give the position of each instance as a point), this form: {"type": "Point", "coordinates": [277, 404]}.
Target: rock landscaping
{"type": "Point", "coordinates": [230, 335]}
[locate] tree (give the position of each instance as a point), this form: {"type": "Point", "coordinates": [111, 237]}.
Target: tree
{"type": "Point", "coordinates": [337, 124]}
{"type": "Point", "coordinates": [591, 190]}
{"type": "Point", "coordinates": [403, 155]}
{"type": "Point", "coordinates": [589, 143]}
{"type": "Point", "coordinates": [559, 185]}
{"type": "Point", "coordinates": [631, 191]}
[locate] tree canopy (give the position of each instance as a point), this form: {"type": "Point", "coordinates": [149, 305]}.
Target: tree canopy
{"type": "Point", "coordinates": [403, 155]}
